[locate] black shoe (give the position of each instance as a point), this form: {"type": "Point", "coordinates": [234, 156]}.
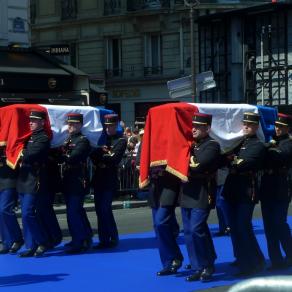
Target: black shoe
{"type": "Point", "coordinates": [106, 245]}
{"type": "Point", "coordinates": [206, 274]}
{"type": "Point", "coordinates": [227, 231]}
{"type": "Point", "coordinates": [166, 271]}
{"type": "Point", "coordinates": [27, 253]}
{"type": "Point", "coordinates": [288, 261]}
{"type": "Point", "coordinates": [4, 250]}
{"type": "Point", "coordinates": [57, 241]}
{"type": "Point", "coordinates": [75, 250]}
{"type": "Point", "coordinates": [68, 244]}
{"type": "Point", "coordinates": [188, 267]}
{"type": "Point", "coordinates": [176, 264]}
{"type": "Point", "coordinates": [194, 277]}
{"type": "Point", "coordinates": [275, 267]}
{"type": "Point", "coordinates": [87, 243]}
{"type": "Point", "coordinates": [16, 246]}
{"type": "Point", "coordinates": [40, 251]}
{"type": "Point", "coordinates": [259, 268]}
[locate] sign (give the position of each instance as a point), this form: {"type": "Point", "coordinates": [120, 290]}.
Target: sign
{"type": "Point", "coordinates": [183, 86]}
{"type": "Point", "coordinates": [59, 50]}
{"type": "Point", "coordinates": [131, 92]}
{"type": "Point", "coordinates": [18, 25]}
{"type": "Point", "coordinates": [205, 80]}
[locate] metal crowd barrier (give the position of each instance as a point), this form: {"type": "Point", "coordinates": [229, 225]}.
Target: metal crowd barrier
{"type": "Point", "coordinates": [128, 176]}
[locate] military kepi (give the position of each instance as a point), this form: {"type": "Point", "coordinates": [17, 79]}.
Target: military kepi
{"type": "Point", "coordinates": [202, 119]}
{"type": "Point", "coordinates": [111, 119]}
{"type": "Point", "coordinates": [75, 118]}
{"type": "Point", "coordinates": [39, 115]}
{"type": "Point", "coordinates": [249, 117]}
{"type": "Point", "coordinates": [283, 120]}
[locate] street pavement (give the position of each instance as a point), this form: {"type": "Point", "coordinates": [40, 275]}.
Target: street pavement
{"type": "Point", "coordinates": [136, 219]}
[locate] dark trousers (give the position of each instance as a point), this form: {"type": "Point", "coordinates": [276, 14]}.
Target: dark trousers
{"type": "Point", "coordinates": [245, 245]}
{"type": "Point", "coordinates": [77, 219]}
{"type": "Point", "coordinates": [106, 224]}
{"type": "Point", "coordinates": [222, 210]}
{"type": "Point", "coordinates": [166, 230]}
{"type": "Point", "coordinates": [198, 238]}
{"type": "Point", "coordinates": [48, 217]}
{"type": "Point", "coordinates": [33, 234]}
{"type": "Point", "coordinates": [9, 227]}
{"type": "Point", "coordinates": [277, 230]}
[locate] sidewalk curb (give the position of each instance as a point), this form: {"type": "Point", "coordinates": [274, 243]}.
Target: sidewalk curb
{"type": "Point", "coordinates": [89, 207]}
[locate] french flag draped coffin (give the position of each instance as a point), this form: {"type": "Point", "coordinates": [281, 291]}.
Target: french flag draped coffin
{"type": "Point", "coordinates": [168, 133]}
{"type": "Point", "coordinates": [15, 130]}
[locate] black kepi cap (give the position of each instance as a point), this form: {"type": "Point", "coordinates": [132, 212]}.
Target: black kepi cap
{"type": "Point", "coordinates": [283, 120]}
{"type": "Point", "coordinates": [202, 119]}
{"type": "Point", "coordinates": [74, 118]}
{"type": "Point", "coordinates": [111, 119]}
{"type": "Point", "coordinates": [35, 114]}
{"type": "Point", "coordinates": [249, 117]}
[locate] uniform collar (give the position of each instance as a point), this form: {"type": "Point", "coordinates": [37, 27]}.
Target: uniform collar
{"type": "Point", "coordinates": [199, 142]}
{"type": "Point", "coordinates": [38, 131]}
{"type": "Point", "coordinates": [280, 138]}
{"type": "Point", "coordinates": [75, 135]}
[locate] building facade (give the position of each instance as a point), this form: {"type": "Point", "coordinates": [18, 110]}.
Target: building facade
{"type": "Point", "coordinates": [131, 47]}
{"type": "Point", "coordinates": [250, 52]}
{"type": "Point", "coordinates": [14, 23]}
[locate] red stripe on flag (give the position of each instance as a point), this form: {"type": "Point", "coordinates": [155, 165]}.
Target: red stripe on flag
{"type": "Point", "coordinates": [167, 139]}
{"type": "Point", "coordinates": [15, 130]}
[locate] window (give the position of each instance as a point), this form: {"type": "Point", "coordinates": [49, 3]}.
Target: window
{"type": "Point", "coordinates": [68, 9]}
{"type": "Point", "coordinates": [152, 55]}
{"type": "Point", "coordinates": [114, 58]}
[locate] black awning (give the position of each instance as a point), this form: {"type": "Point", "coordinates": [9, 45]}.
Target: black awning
{"type": "Point", "coordinates": [29, 62]}
{"type": "Point", "coordinates": [24, 70]}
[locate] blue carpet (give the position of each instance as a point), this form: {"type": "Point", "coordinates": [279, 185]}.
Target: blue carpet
{"type": "Point", "coordinates": [130, 267]}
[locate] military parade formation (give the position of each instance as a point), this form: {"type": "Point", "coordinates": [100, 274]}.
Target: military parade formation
{"type": "Point", "coordinates": [257, 172]}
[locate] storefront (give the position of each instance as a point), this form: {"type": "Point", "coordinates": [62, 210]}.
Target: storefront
{"type": "Point", "coordinates": [31, 76]}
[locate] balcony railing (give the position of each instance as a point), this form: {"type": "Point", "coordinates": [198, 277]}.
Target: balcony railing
{"type": "Point", "coordinates": [135, 5]}
{"type": "Point", "coordinates": [112, 7]}
{"type": "Point", "coordinates": [150, 71]}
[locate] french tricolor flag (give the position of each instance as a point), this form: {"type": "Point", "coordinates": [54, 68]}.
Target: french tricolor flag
{"type": "Point", "coordinates": [168, 133]}
{"type": "Point", "coordinates": [15, 131]}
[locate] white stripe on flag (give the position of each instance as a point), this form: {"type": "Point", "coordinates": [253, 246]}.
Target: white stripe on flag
{"type": "Point", "coordinates": [227, 122]}
{"type": "Point", "coordinates": [92, 127]}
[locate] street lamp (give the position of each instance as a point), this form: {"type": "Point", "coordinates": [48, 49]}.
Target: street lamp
{"type": "Point", "coordinates": [192, 4]}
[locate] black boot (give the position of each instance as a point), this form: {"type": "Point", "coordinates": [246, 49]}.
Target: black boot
{"type": "Point", "coordinates": [16, 246]}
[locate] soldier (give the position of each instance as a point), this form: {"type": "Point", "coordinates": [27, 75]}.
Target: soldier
{"type": "Point", "coordinates": [45, 208]}
{"type": "Point", "coordinates": [31, 182]}
{"type": "Point", "coordinates": [163, 199]}
{"type": "Point", "coordinates": [105, 181]}
{"type": "Point", "coordinates": [241, 193]}
{"type": "Point", "coordinates": [275, 194]}
{"type": "Point", "coordinates": [10, 231]}
{"type": "Point", "coordinates": [198, 197]}
{"type": "Point", "coordinates": [76, 150]}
